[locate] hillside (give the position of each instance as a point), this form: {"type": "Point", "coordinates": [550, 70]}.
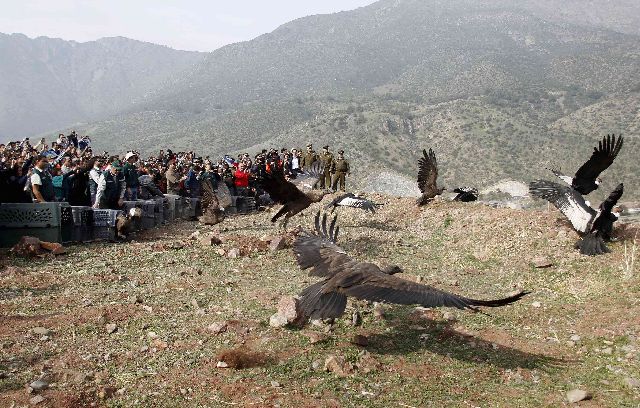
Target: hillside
{"type": "Point", "coordinates": [151, 332]}
{"type": "Point", "coordinates": [500, 89]}
{"type": "Point", "coordinates": [48, 83]}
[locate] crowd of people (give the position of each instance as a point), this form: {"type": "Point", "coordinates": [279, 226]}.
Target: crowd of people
{"type": "Point", "coordinates": [68, 170]}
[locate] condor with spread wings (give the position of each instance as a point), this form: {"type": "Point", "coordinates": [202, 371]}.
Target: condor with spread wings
{"type": "Point", "coordinates": [594, 226]}
{"type": "Point", "coordinates": [586, 179]}
{"type": "Point", "coordinates": [296, 194]}
{"type": "Point", "coordinates": [427, 177]}
{"type": "Point", "coordinates": [352, 200]}
{"type": "Point", "coordinates": [344, 276]}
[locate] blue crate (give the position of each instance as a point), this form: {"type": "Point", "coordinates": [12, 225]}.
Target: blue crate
{"type": "Point", "coordinates": [82, 224]}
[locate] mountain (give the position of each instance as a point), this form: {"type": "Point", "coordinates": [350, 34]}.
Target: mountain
{"type": "Point", "coordinates": [48, 83]}
{"type": "Point", "coordinates": [499, 88]}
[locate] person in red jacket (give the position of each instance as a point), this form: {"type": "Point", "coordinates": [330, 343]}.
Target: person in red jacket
{"type": "Point", "coordinates": [241, 179]}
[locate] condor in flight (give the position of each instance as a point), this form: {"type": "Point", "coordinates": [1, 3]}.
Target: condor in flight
{"type": "Point", "coordinates": [287, 193]}
{"type": "Point", "coordinates": [586, 179]}
{"type": "Point", "coordinates": [427, 177]}
{"type": "Point", "coordinates": [594, 226]}
{"type": "Point", "coordinates": [344, 276]}
{"type": "Point", "coordinates": [351, 200]}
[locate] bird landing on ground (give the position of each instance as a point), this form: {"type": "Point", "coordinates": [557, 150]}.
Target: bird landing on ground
{"type": "Point", "coordinates": [427, 177]}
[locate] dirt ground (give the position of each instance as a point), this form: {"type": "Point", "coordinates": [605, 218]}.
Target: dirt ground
{"type": "Point", "coordinates": [146, 323]}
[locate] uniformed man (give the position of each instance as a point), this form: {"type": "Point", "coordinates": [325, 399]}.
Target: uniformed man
{"type": "Point", "coordinates": [131, 174]}
{"type": "Point", "coordinates": [326, 157]}
{"type": "Point", "coordinates": [340, 169]}
{"type": "Point", "coordinates": [309, 157]}
{"type": "Point", "coordinates": [41, 181]}
{"type": "Point", "coordinates": [111, 188]}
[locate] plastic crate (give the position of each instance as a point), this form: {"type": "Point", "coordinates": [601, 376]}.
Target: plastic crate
{"type": "Point", "coordinates": [190, 208]}
{"type": "Point", "coordinates": [105, 218]}
{"type": "Point", "coordinates": [104, 233]}
{"type": "Point", "coordinates": [82, 224]}
{"type": "Point", "coordinates": [245, 205]}
{"type": "Point", "coordinates": [170, 208]}
{"type": "Point", "coordinates": [159, 211]}
{"type": "Point", "coordinates": [51, 222]}
{"type": "Point", "coordinates": [148, 214]}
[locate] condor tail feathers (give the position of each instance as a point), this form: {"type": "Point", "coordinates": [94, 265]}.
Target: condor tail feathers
{"type": "Point", "coordinates": [592, 245]}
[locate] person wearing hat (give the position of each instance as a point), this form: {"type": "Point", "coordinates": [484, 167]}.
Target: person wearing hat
{"type": "Point", "coordinates": [340, 168]}
{"type": "Point", "coordinates": [309, 157]}
{"type": "Point", "coordinates": [111, 188]}
{"type": "Point", "coordinates": [326, 157]}
{"type": "Point", "coordinates": [41, 181]}
{"type": "Point", "coordinates": [131, 175]}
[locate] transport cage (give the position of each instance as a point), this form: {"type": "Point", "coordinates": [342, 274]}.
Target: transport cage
{"type": "Point", "coordinates": [245, 205]}
{"type": "Point", "coordinates": [148, 214]}
{"type": "Point", "coordinates": [159, 211]}
{"type": "Point", "coordinates": [191, 208]}
{"type": "Point", "coordinates": [171, 203]}
{"type": "Point", "coordinates": [104, 224]}
{"type": "Point", "coordinates": [49, 222]}
{"type": "Point", "coordinates": [82, 224]}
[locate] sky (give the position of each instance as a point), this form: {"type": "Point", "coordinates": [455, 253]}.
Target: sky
{"type": "Point", "coordinates": [195, 25]}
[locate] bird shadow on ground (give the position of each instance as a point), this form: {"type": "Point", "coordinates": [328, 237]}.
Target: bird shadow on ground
{"type": "Point", "coordinates": [374, 224]}
{"type": "Point", "coordinates": [440, 337]}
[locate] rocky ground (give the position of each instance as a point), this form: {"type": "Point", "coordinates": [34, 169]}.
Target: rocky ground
{"type": "Point", "coordinates": [178, 319]}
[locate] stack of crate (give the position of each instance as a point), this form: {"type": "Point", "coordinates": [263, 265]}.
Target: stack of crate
{"type": "Point", "coordinates": [104, 224]}
{"type": "Point", "coordinates": [51, 222]}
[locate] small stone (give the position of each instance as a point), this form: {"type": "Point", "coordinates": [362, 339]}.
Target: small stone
{"type": "Point", "coordinates": [222, 364]}
{"type": "Point", "coordinates": [316, 364]}
{"type": "Point", "coordinates": [338, 365]}
{"type": "Point", "coordinates": [288, 308]}
{"type": "Point", "coordinates": [36, 400]}
{"type": "Point", "coordinates": [360, 340]}
{"type": "Point", "coordinates": [632, 382]}
{"type": "Point", "coordinates": [152, 335]}
{"type": "Point", "coordinates": [198, 304]}
{"type": "Point", "coordinates": [39, 385]}
{"type": "Point", "coordinates": [217, 328]}
{"type": "Point", "coordinates": [449, 316]}
{"type": "Point", "coordinates": [277, 320]}
{"type": "Point", "coordinates": [355, 319]}
{"type": "Point", "coordinates": [111, 328]}
{"type": "Point", "coordinates": [221, 252]}
{"type": "Point", "coordinates": [41, 331]}
{"type": "Point", "coordinates": [577, 395]}
{"type": "Point", "coordinates": [575, 338]}
{"type": "Point", "coordinates": [138, 299]}
{"type": "Point", "coordinates": [378, 311]}
{"type": "Point", "coordinates": [315, 337]}
{"type": "Point", "coordinates": [106, 392]}
{"type": "Point", "coordinates": [607, 350]}
{"type": "Point", "coordinates": [277, 244]}
{"type": "Point", "coordinates": [194, 235]}
{"type": "Point", "coordinates": [541, 262]}
{"type": "Point", "coordinates": [275, 384]}
{"type": "Point", "coordinates": [367, 363]}
{"type": "Point", "coordinates": [536, 304]}
{"type": "Point", "coordinates": [210, 240]}
{"type": "Point", "coordinates": [159, 344]}
{"type": "Point", "coordinates": [147, 308]}
{"type": "Point", "coordinates": [233, 253]}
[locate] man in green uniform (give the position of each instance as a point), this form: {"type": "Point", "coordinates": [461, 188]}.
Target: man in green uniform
{"type": "Point", "coordinates": [41, 181]}
{"type": "Point", "coordinates": [340, 169]}
{"type": "Point", "coordinates": [326, 157]}
{"type": "Point", "coordinates": [308, 157]}
{"type": "Point", "coordinates": [131, 175]}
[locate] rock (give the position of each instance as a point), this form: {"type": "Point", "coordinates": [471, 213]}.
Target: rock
{"type": "Point", "coordinates": [367, 363]}
{"type": "Point", "coordinates": [159, 344]}
{"type": "Point", "coordinates": [378, 311]}
{"type": "Point", "coordinates": [41, 331]}
{"type": "Point", "coordinates": [222, 364]}
{"type": "Point", "coordinates": [541, 262]}
{"type": "Point", "coordinates": [632, 382]}
{"type": "Point", "coordinates": [275, 384]}
{"type": "Point", "coordinates": [210, 240]}
{"type": "Point", "coordinates": [277, 244]}
{"type": "Point", "coordinates": [138, 299]}
{"type": "Point", "coordinates": [288, 308]}
{"type": "Point", "coordinates": [355, 319]}
{"type": "Point", "coordinates": [39, 385]}
{"type": "Point", "coordinates": [277, 320]}
{"type": "Point", "coordinates": [449, 316]}
{"type": "Point", "coordinates": [316, 364]}
{"type": "Point", "coordinates": [217, 328]}
{"type": "Point", "coordinates": [194, 235]}
{"type": "Point", "coordinates": [536, 304]}
{"type": "Point", "coordinates": [233, 253]}
{"type": "Point", "coordinates": [315, 337]}
{"type": "Point", "coordinates": [577, 395]}
{"type": "Point", "coordinates": [221, 252]}
{"type": "Point", "coordinates": [32, 246]}
{"type": "Point", "coordinates": [198, 304]}
{"type": "Point", "coordinates": [575, 338]}
{"type": "Point", "coordinates": [106, 392]}
{"type": "Point", "coordinates": [338, 365]}
{"type": "Point", "coordinates": [360, 340]}
{"type": "Point", "coordinates": [36, 400]}
{"type": "Point", "coordinates": [607, 350]}
{"type": "Point", "coordinates": [82, 377]}
{"type": "Point", "coordinates": [111, 328]}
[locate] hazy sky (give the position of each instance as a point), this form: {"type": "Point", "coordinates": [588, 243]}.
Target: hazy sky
{"type": "Point", "coordinates": [183, 24]}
